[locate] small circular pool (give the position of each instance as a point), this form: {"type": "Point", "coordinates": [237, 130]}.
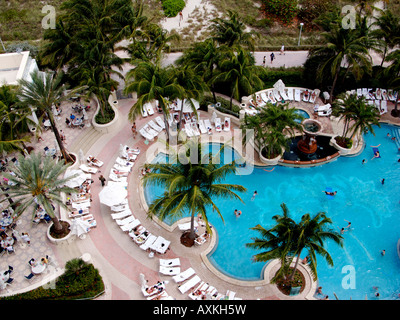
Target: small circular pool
{"type": "Point", "coordinates": [302, 113]}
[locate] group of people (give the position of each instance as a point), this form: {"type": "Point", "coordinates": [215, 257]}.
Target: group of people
{"type": "Point", "coordinates": [272, 55]}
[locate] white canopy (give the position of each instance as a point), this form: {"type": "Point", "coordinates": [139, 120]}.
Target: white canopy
{"type": "Point", "coordinates": [112, 195]}
{"type": "Point", "coordinates": [79, 227]}
{"type": "Point", "coordinates": [79, 177]}
{"type": "Point", "coordinates": [279, 85]}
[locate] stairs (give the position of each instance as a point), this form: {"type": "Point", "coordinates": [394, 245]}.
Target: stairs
{"type": "Point", "coordinates": [85, 141]}
{"type": "Point", "coordinates": [396, 133]}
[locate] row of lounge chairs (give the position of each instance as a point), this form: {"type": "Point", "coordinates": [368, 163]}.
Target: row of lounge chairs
{"type": "Point", "coordinates": [378, 94]}
{"type": "Point", "coordinates": [190, 283]}
{"type": "Point", "coordinates": [122, 214]}
{"type": "Point", "coordinates": [288, 94]}
{"type": "Point", "coordinates": [80, 203]}
{"type": "Point", "coordinates": [195, 128]}
{"type": "Point", "coordinates": [152, 128]}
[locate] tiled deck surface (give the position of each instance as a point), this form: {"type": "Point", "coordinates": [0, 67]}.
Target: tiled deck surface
{"type": "Point", "coordinates": [118, 258]}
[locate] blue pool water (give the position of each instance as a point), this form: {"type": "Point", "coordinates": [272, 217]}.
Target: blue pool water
{"type": "Point", "coordinates": [372, 207]}
{"type": "Point", "coordinates": [302, 113]}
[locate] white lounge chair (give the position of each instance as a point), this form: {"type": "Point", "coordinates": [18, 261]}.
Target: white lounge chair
{"type": "Point", "coordinates": [124, 162]}
{"type": "Point", "coordinates": [121, 215]}
{"type": "Point", "coordinates": [314, 95]}
{"type": "Point", "coordinates": [218, 125]}
{"type": "Point", "coordinates": [306, 95]}
{"type": "Point", "coordinates": [170, 271]}
{"type": "Point", "coordinates": [277, 96]}
{"type": "Point", "coordinates": [95, 162]}
{"type": "Point", "coordinates": [188, 130]}
{"type": "Point", "coordinates": [87, 169]}
{"type": "Point", "coordinates": [153, 293]}
{"type": "Point", "coordinates": [392, 95]}
{"type": "Point", "coordinates": [371, 94]}
{"type": "Point", "coordinates": [208, 125]}
{"type": "Point", "coordinates": [365, 93]}
{"type": "Point", "coordinates": [194, 128]}
{"type": "Point", "coordinates": [151, 131]}
{"type": "Point", "coordinates": [144, 112]}
{"type": "Point", "coordinates": [115, 178]}
{"type": "Point", "coordinates": [189, 284]}
{"type": "Point", "coordinates": [326, 113]}
{"type": "Point", "coordinates": [271, 97]}
{"type": "Point", "coordinates": [184, 275]}
{"type": "Point", "coordinates": [128, 227]}
{"type": "Point", "coordinates": [140, 238]}
{"type": "Point", "coordinates": [145, 134]}
{"type": "Point", "coordinates": [202, 127]}
{"type": "Point", "coordinates": [155, 126]}
{"type": "Point", "coordinates": [378, 94]}
{"type": "Point", "coordinates": [160, 122]}
{"type": "Point", "coordinates": [122, 168]}
{"type": "Point", "coordinates": [160, 245]}
{"type": "Point", "coordinates": [383, 108]}
{"type": "Point", "coordinates": [284, 95]}
{"type": "Point", "coordinates": [297, 95]}
{"type": "Point", "coordinates": [149, 241]}
{"type": "Point", "coordinates": [227, 124]}
{"type": "Point", "coordinates": [290, 94]}
{"type": "Point", "coordinates": [260, 101]}
{"type": "Point", "coordinates": [125, 221]}
{"type": "Point", "coordinates": [202, 287]}
{"type": "Point", "coordinates": [230, 295]}
{"type": "Point", "coordinates": [174, 262]}
{"type": "Point", "coordinates": [359, 92]}
{"type": "Point", "coordinates": [384, 95]}
{"type": "Point", "coordinates": [149, 108]}
{"type": "Point", "coordinates": [264, 97]}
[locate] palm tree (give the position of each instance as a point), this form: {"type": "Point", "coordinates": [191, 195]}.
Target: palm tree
{"type": "Point", "coordinates": [35, 181]}
{"type": "Point", "coordinates": [393, 70]}
{"type": "Point", "coordinates": [358, 115]}
{"type": "Point", "coordinates": [74, 267]}
{"type": "Point", "coordinates": [204, 58]}
{"type": "Point", "coordinates": [192, 182]}
{"type": "Point", "coordinates": [287, 240]}
{"type": "Point", "coordinates": [388, 31]}
{"type": "Point", "coordinates": [231, 31]}
{"type": "Point", "coordinates": [42, 93]}
{"type": "Point", "coordinates": [345, 48]}
{"type": "Point", "coordinates": [152, 82]}
{"type": "Point", "coordinates": [239, 71]}
{"type": "Point", "coordinates": [271, 126]}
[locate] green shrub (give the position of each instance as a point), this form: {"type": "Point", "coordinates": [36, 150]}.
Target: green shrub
{"type": "Point", "coordinates": [172, 7]}
{"type": "Point", "coordinates": [109, 115]}
{"type": "Point", "coordinates": [283, 10]}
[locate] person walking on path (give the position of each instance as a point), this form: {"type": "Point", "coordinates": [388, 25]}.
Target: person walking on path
{"type": "Point", "coordinates": [272, 57]}
{"type": "Point", "coordinates": [282, 50]}
{"type": "Point", "coordinates": [103, 180]}
{"type": "Point", "coordinates": [264, 61]}
{"type": "Point", "coordinates": [134, 130]}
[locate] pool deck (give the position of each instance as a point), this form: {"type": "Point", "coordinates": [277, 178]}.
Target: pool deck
{"type": "Point", "coordinates": [118, 258]}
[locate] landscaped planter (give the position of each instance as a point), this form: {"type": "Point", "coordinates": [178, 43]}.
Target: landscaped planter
{"type": "Point", "coordinates": [68, 238]}
{"type": "Point", "coordinates": [267, 161]}
{"type": "Point", "coordinates": [342, 151]}
{"type": "Point", "coordinates": [113, 125]}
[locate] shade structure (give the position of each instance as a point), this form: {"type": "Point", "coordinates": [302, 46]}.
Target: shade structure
{"type": "Point", "coordinates": [77, 178]}
{"type": "Point", "coordinates": [112, 195]}
{"type": "Point", "coordinates": [187, 107]}
{"type": "Point", "coordinates": [79, 227]}
{"type": "Point", "coordinates": [279, 85]}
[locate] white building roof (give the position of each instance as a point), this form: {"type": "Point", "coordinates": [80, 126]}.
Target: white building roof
{"type": "Point", "coordinates": [15, 66]}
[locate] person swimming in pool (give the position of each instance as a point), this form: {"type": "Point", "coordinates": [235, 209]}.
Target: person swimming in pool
{"type": "Point", "coordinates": [328, 193]}
{"type": "Point", "coordinates": [254, 195]}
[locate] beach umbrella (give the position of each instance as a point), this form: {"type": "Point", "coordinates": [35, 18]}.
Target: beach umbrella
{"type": "Point", "coordinates": [77, 178]}
{"type": "Point", "coordinates": [112, 195]}
{"type": "Point", "coordinates": [279, 85]}
{"type": "Point", "coordinates": [79, 227]}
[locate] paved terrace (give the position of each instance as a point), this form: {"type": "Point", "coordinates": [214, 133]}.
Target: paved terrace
{"type": "Point", "coordinates": [118, 258]}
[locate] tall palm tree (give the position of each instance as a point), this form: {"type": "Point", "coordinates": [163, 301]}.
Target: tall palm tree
{"type": "Point", "coordinates": [42, 93]}
{"type": "Point", "coordinates": [239, 71]}
{"type": "Point", "coordinates": [36, 181]}
{"type": "Point", "coordinates": [358, 115]}
{"type": "Point", "coordinates": [287, 240]}
{"type": "Point", "coordinates": [393, 70]}
{"type": "Point", "coordinates": [152, 82]}
{"type": "Point", "coordinates": [345, 48]}
{"type": "Point", "coordinates": [231, 31]}
{"type": "Point", "coordinates": [204, 58]}
{"type": "Point", "coordinates": [192, 183]}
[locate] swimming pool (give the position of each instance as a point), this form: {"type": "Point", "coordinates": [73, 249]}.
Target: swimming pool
{"type": "Point", "coordinates": [302, 113]}
{"type": "Point", "coordinates": [372, 207]}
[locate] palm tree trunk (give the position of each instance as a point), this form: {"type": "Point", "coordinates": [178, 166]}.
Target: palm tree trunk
{"type": "Point", "coordinates": [334, 84]}
{"type": "Point", "coordinates": [65, 155]}
{"type": "Point", "coordinates": [295, 266]}
{"type": "Point", "coordinates": [192, 233]}
{"type": "Point", "coordinates": [58, 228]}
